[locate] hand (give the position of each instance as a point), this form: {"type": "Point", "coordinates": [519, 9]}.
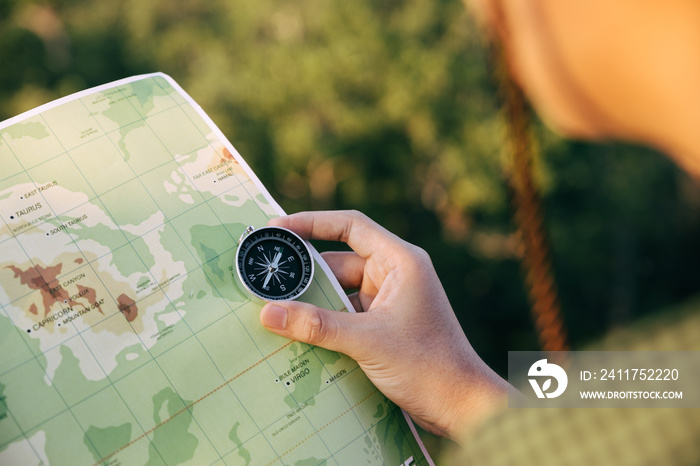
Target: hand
{"type": "Point", "coordinates": [405, 335]}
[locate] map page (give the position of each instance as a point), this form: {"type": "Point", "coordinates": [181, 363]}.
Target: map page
{"type": "Point", "coordinates": [124, 337]}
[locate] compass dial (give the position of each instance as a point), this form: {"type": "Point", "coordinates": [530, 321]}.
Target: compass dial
{"type": "Point", "coordinates": [274, 264]}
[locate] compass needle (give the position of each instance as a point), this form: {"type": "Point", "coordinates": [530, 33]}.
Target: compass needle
{"type": "Point", "coordinates": [267, 279]}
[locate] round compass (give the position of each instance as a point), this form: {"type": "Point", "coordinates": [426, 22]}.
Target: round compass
{"type": "Point", "coordinates": [274, 263]}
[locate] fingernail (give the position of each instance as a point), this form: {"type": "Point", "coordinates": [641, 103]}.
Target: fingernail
{"type": "Point", "coordinates": [274, 317]}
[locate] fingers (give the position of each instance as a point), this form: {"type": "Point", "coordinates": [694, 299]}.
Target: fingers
{"type": "Point", "coordinates": [362, 234]}
{"type": "Point", "coordinates": [311, 324]}
{"type": "Point", "coordinates": [347, 267]}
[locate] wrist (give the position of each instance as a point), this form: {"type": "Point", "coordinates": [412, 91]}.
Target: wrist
{"type": "Point", "coordinates": [478, 393]}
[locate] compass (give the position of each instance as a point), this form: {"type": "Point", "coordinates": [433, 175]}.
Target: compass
{"type": "Point", "coordinates": [273, 263]}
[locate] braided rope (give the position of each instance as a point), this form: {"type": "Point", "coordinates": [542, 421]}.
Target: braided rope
{"type": "Point", "coordinates": [534, 244]}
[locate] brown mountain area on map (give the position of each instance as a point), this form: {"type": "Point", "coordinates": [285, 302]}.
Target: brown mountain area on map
{"type": "Point", "coordinates": [90, 294]}
{"type": "Point", "coordinates": [127, 306]}
{"type": "Point", "coordinates": [227, 154]}
{"type": "Point", "coordinates": [43, 279]}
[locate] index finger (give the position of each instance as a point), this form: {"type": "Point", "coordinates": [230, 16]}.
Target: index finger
{"type": "Point", "coordinates": [354, 228]}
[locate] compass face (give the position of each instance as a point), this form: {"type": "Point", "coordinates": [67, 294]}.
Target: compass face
{"type": "Point", "coordinates": [274, 264]}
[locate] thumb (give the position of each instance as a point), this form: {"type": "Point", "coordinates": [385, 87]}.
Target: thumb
{"type": "Point", "coordinates": [311, 324]}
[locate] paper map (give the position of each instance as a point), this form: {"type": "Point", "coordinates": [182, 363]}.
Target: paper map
{"type": "Point", "coordinates": [124, 339]}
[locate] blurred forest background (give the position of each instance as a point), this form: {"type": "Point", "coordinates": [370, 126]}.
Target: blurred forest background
{"type": "Point", "coordinates": [388, 108]}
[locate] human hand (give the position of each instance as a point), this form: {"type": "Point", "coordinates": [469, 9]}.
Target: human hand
{"type": "Point", "coordinates": [405, 336]}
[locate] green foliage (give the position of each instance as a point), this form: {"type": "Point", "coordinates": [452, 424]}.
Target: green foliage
{"type": "Point", "coordinates": [388, 108]}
